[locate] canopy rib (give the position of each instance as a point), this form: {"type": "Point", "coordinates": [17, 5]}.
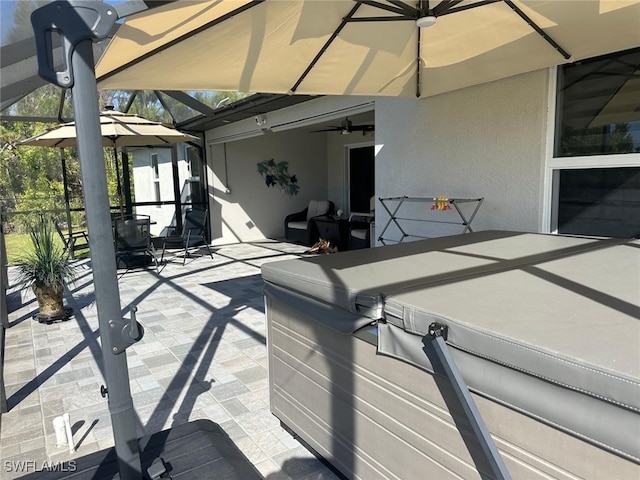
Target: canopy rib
{"type": "Point", "coordinates": [389, 8]}
{"type": "Point", "coordinates": [540, 32]}
{"type": "Point", "coordinates": [324, 48]}
{"type": "Point", "coordinates": [418, 66]}
{"type": "Point", "coordinates": [378, 19]}
{"type": "Point", "coordinates": [409, 10]}
{"type": "Point", "coordinates": [453, 9]}
{"type": "Point", "coordinates": [445, 6]}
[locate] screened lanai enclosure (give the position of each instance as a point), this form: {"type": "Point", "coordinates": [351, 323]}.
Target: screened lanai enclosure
{"type": "Point", "coordinates": [531, 142]}
{"type": "Point", "coordinates": [156, 179]}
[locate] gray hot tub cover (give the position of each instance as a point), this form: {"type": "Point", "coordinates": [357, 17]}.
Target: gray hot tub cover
{"type": "Point", "coordinates": [553, 322]}
{"type": "Point", "coordinates": [357, 281]}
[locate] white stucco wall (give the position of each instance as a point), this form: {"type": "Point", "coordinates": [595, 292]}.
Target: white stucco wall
{"type": "Point", "coordinates": [253, 211]}
{"type": "Point", "coordinates": [144, 184]}
{"type": "Point", "coordinates": [485, 141]}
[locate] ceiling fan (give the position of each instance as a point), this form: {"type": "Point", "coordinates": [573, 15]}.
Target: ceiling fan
{"type": "Point", "coordinates": [346, 127]}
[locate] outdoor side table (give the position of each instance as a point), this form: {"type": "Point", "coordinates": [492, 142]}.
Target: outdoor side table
{"type": "Point", "coordinates": [333, 230]}
{"type": "Point", "coordinates": [393, 205]}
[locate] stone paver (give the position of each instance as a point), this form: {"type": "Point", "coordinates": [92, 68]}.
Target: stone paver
{"type": "Point", "coordinates": [203, 356]}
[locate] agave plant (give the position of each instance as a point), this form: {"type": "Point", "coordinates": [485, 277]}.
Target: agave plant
{"type": "Point", "coordinates": [46, 269]}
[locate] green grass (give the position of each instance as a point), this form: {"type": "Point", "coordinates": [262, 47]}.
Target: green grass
{"type": "Point", "coordinates": [19, 243]}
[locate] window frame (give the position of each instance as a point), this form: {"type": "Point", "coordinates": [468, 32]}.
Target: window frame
{"type": "Point", "coordinates": [190, 162]}
{"type": "Point", "coordinates": [553, 164]}
{"type": "Point", "coordinates": [155, 177]}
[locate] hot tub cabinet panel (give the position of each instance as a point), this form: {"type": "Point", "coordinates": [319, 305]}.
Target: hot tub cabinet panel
{"type": "Point", "coordinates": [374, 416]}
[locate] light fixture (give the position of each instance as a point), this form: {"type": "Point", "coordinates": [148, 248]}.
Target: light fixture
{"type": "Point", "coordinates": [426, 21]}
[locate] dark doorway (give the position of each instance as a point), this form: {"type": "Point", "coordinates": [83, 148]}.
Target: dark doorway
{"type": "Point", "coordinates": [361, 178]}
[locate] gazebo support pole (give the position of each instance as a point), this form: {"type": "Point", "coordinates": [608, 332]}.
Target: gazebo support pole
{"type": "Point", "coordinates": [4, 275]}
{"type": "Point", "coordinates": [118, 181]}
{"type": "Point", "coordinates": [126, 180]}
{"type": "Point", "coordinates": [4, 317]}
{"type": "Point", "coordinates": [94, 179]}
{"type": "Point", "coordinates": [77, 27]}
{"type": "Point", "coordinates": [67, 204]}
{"type": "Point", "coordinates": [177, 193]}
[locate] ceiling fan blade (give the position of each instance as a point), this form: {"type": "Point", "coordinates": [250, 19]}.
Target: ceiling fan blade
{"type": "Point", "coordinates": [347, 127]}
{"type": "Point", "coordinates": [330, 129]}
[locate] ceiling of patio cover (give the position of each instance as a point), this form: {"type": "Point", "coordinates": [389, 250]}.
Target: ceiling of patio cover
{"type": "Point", "coordinates": [305, 47]}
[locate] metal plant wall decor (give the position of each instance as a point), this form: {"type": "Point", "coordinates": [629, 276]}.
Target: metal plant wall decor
{"type": "Point", "coordinates": [277, 175]}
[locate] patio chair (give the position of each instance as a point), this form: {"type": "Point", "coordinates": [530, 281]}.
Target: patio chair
{"type": "Point", "coordinates": [133, 240]}
{"type": "Point", "coordinates": [193, 234]}
{"type": "Point", "coordinates": [77, 240]}
{"type": "Point", "coordinates": [300, 226]}
{"type": "Point", "coordinates": [360, 227]}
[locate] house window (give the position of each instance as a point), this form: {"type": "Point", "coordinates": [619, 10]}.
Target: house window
{"type": "Point", "coordinates": [154, 166]}
{"type": "Point", "coordinates": [155, 175]}
{"type": "Point", "coordinates": [195, 163]}
{"type": "Point", "coordinates": [598, 106]}
{"type": "Point", "coordinates": [196, 177]}
{"type": "Point", "coordinates": [599, 201]}
{"type": "Point", "coordinates": [595, 168]}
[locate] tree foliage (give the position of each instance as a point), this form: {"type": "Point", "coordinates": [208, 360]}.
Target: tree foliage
{"type": "Point", "coordinates": [147, 103]}
{"type": "Point", "coordinates": [31, 178]}
{"type": "Point", "coordinates": [22, 19]}
{"type": "Point", "coordinates": [610, 139]}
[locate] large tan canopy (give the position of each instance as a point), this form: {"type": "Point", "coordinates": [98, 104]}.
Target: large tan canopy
{"type": "Point", "coordinates": [346, 47]}
{"type": "Point", "coordinates": [117, 129]}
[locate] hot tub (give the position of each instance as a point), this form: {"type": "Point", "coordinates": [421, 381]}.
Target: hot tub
{"type": "Point", "coordinates": [544, 330]}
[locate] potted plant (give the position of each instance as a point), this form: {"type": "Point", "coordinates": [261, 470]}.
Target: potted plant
{"type": "Point", "coordinates": [46, 269]}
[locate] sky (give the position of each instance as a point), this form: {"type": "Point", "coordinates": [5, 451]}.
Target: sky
{"type": "Point", "coordinates": [6, 17]}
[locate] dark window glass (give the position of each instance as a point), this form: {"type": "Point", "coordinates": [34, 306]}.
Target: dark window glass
{"type": "Point", "coordinates": [195, 163]}
{"type": "Point", "coordinates": [598, 106]}
{"type": "Point", "coordinates": [156, 189]}
{"type": "Point", "coordinates": [600, 201]}
{"type": "Point", "coordinates": [197, 183]}
{"type": "Point", "coordinates": [154, 166]}
{"type": "Point", "coordinates": [361, 178]}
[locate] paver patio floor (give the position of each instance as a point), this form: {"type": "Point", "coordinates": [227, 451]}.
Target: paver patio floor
{"type": "Point", "coordinates": [203, 356]}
